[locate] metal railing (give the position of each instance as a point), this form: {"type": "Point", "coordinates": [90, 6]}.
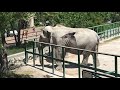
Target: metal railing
{"type": "Point", "coordinates": [97, 73]}
{"type": "Point", "coordinates": [107, 30]}
{"type": "Point", "coordinates": [104, 31]}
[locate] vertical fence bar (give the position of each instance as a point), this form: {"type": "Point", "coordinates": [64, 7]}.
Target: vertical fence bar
{"type": "Point", "coordinates": [79, 63]}
{"type": "Point", "coordinates": [26, 54]}
{"type": "Point", "coordinates": [113, 29]}
{"type": "Point", "coordinates": [110, 30]}
{"type": "Point", "coordinates": [52, 60]}
{"type": "Point", "coordinates": [104, 31]}
{"type": "Point", "coordinates": [40, 53]}
{"type": "Point", "coordinates": [63, 53]}
{"type": "Point", "coordinates": [35, 48]}
{"type": "Point", "coordinates": [107, 30]}
{"type": "Point", "coordinates": [116, 71]}
{"type": "Point", "coordinates": [49, 50]}
{"type": "Point", "coordinates": [33, 53]}
{"type": "Point", "coordinates": [95, 66]}
{"type": "Point", "coordinates": [101, 34]}
{"type": "Point", "coordinates": [118, 28]}
{"type": "Point", "coordinates": [42, 57]}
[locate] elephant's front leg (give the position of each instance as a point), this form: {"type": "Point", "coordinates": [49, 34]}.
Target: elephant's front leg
{"type": "Point", "coordinates": [40, 57]}
{"type": "Point", "coordinates": [58, 54]}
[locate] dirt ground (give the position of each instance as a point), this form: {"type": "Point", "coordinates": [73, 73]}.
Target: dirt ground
{"type": "Point", "coordinates": [106, 62]}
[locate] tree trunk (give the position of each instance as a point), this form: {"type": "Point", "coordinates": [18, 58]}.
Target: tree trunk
{"type": "Point", "coordinates": [19, 42]}
{"type": "Point", "coordinates": [14, 33]}
{"type": "Point", "coordinates": [19, 29]}
{"type": "Point", "coordinates": [3, 39]}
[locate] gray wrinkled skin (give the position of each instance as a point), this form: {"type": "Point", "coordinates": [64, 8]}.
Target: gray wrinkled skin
{"type": "Point", "coordinates": [82, 38]}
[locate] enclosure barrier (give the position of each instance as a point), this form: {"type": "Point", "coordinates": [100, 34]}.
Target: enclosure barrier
{"type": "Point", "coordinates": [96, 72]}
{"type": "Point", "coordinates": [107, 30]}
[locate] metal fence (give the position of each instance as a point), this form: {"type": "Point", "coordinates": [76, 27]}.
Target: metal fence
{"type": "Point", "coordinates": [107, 30]}
{"type": "Point", "coordinates": [96, 72]}
{"type": "Point", "coordinates": [104, 31]}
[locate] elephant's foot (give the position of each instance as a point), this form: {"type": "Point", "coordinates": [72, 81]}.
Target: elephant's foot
{"type": "Point", "coordinates": [84, 62]}
{"type": "Point", "coordinates": [40, 62]}
{"type": "Point", "coordinates": [59, 68]}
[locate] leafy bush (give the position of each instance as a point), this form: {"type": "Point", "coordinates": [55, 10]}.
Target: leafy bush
{"type": "Point", "coordinates": [77, 19]}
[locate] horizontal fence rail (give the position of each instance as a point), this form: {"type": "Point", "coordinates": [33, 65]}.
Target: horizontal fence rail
{"type": "Point", "coordinates": [96, 72]}
{"type": "Point", "coordinates": [107, 30]}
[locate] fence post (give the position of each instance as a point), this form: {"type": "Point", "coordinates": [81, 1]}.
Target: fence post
{"type": "Point", "coordinates": [33, 53]}
{"type": "Point", "coordinates": [116, 71]}
{"type": "Point", "coordinates": [42, 57]}
{"type": "Point", "coordinates": [113, 29]}
{"type": "Point", "coordinates": [118, 28]}
{"type": "Point", "coordinates": [95, 66]}
{"type": "Point", "coordinates": [52, 60]}
{"type": "Point", "coordinates": [107, 30]}
{"type": "Point", "coordinates": [35, 47]}
{"type": "Point", "coordinates": [63, 53]}
{"type": "Point", "coordinates": [79, 63]}
{"type": "Point", "coordinates": [104, 31]}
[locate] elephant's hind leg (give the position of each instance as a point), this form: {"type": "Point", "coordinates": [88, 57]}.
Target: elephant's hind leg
{"type": "Point", "coordinates": [85, 58]}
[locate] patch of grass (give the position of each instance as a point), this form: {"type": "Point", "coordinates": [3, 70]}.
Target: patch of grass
{"type": "Point", "coordinates": [15, 49]}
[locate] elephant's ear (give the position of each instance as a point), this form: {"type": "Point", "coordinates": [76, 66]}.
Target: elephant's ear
{"type": "Point", "coordinates": [72, 33]}
{"type": "Point", "coordinates": [47, 31]}
{"type": "Point", "coordinates": [69, 35]}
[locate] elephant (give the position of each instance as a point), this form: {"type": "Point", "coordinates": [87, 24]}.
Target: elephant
{"type": "Point", "coordinates": [3, 60]}
{"type": "Point", "coordinates": [82, 38]}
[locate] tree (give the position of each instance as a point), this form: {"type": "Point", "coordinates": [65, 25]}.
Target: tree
{"type": "Point", "coordinates": [19, 17]}
{"type": "Point", "coordinates": [75, 19]}
{"type": "Point", "coordinates": [8, 20]}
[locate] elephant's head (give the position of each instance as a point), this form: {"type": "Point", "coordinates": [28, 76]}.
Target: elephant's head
{"type": "Point", "coordinates": [45, 34]}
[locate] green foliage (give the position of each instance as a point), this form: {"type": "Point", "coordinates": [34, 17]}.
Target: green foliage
{"type": "Point", "coordinates": [77, 19]}
{"type": "Point", "coordinates": [11, 21]}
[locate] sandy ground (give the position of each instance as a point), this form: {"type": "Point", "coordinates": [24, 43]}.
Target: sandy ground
{"type": "Point", "coordinates": [106, 63]}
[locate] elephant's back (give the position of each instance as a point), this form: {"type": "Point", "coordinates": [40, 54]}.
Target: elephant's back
{"type": "Point", "coordinates": [86, 37]}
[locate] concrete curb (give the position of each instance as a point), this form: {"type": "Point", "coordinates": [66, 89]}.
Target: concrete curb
{"type": "Point", "coordinates": [15, 54]}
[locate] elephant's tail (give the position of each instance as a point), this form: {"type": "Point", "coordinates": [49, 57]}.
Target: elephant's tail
{"type": "Point", "coordinates": [98, 41]}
